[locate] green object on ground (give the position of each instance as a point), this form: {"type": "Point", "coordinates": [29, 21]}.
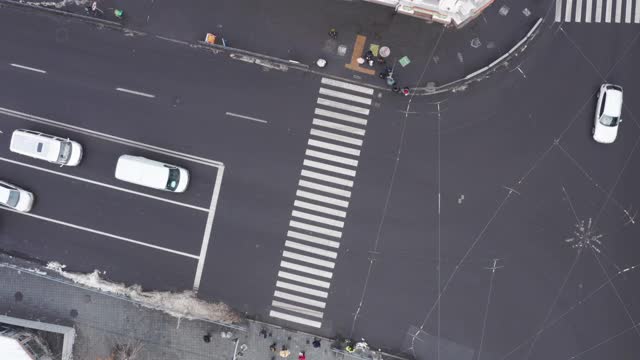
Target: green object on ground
{"type": "Point", "coordinates": [404, 61]}
{"type": "Point", "coordinates": [118, 12]}
{"type": "Point", "coordinates": [374, 49]}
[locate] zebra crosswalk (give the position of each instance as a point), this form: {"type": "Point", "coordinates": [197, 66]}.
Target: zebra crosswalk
{"type": "Point", "coordinates": [322, 200]}
{"type": "Point", "coordinates": [607, 11]}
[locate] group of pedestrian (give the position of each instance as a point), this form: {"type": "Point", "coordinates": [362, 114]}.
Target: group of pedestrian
{"type": "Point", "coordinates": [284, 352]}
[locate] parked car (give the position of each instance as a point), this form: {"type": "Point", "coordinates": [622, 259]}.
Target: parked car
{"type": "Point", "coordinates": [46, 147]}
{"type": "Point", "coordinates": [608, 111]}
{"type": "Point", "coordinates": [15, 198]}
{"type": "Point", "coordinates": [151, 173]}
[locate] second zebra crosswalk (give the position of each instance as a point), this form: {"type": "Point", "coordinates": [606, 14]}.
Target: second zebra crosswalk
{"type": "Point", "coordinates": [597, 11]}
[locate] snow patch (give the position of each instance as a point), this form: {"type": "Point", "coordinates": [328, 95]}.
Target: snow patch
{"type": "Point", "coordinates": [181, 305]}
{"type": "Point", "coordinates": [57, 4]}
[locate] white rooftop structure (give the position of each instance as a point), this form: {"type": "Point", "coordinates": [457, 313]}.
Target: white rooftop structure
{"type": "Point", "coordinates": [448, 12]}
{"type": "Point", "coordinates": [10, 348]}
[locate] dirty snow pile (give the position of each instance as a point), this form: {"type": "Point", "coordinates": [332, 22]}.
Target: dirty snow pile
{"type": "Point", "coordinates": [57, 4]}
{"type": "Point", "coordinates": [181, 305]}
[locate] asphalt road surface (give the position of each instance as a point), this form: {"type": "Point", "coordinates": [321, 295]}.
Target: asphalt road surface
{"type": "Point", "coordinates": [483, 224]}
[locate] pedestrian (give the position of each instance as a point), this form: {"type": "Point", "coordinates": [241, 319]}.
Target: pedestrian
{"type": "Point", "coordinates": [321, 63]}
{"type": "Point", "coordinates": [395, 89]}
{"type": "Point", "coordinates": [263, 332]}
{"type": "Point", "coordinates": [333, 33]}
{"type": "Point", "coordinates": [273, 347]}
{"type": "Point", "coordinates": [207, 338]}
{"type": "Point", "coordinates": [405, 91]}
{"type": "Point", "coordinates": [316, 343]}
{"type": "Point", "coordinates": [284, 353]}
{"type": "Point", "coordinates": [302, 356]}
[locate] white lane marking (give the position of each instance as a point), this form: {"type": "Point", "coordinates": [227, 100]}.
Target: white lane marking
{"type": "Point", "coordinates": [318, 208]}
{"type": "Point", "coordinates": [206, 237]}
{"type": "Point", "coordinates": [246, 117]}
{"type": "Point", "coordinates": [348, 86]}
{"type": "Point", "coordinates": [295, 308]}
{"type": "Point", "coordinates": [311, 249]}
{"type": "Point", "coordinates": [343, 106]}
{"type": "Point", "coordinates": [313, 239]}
{"type": "Point", "coordinates": [316, 218]}
{"type": "Point", "coordinates": [139, 93]}
{"type": "Point", "coordinates": [327, 178]}
{"type": "Point", "coordinates": [618, 11]}
{"type": "Point", "coordinates": [28, 68]}
{"type": "Point", "coordinates": [303, 279]}
{"type": "Point", "coordinates": [299, 299]}
{"type": "Point", "coordinates": [112, 138]}
{"type": "Point", "coordinates": [327, 189]}
{"type": "Point", "coordinates": [103, 233]}
{"type": "Point", "coordinates": [326, 167]}
{"type": "Point", "coordinates": [301, 289]}
{"type": "Point", "coordinates": [334, 158]}
{"type": "Point", "coordinates": [295, 319]}
{"type": "Point", "coordinates": [587, 14]}
{"type": "Point", "coordinates": [332, 136]}
{"type": "Point", "coordinates": [607, 13]}
{"type": "Point", "coordinates": [558, 10]}
{"type": "Point", "coordinates": [567, 14]}
{"type": "Point", "coordinates": [334, 147]}
{"type": "Point", "coordinates": [316, 229]}
{"type": "Point", "coordinates": [338, 126]}
{"type": "Point", "coordinates": [636, 18]}
{"type": "Point", "coordinates": [340, 116]}
{"type": "Point", "coordinates": [322, 198]}
{"type": "Point", "coordinates": [627, 11]}
{"type": "Point", "coordinates": [598, 11]}
{"type": "Point", "coordinates": [578, 17]}
{"type": "Point", "coordinates": [306, 269]}
{"type": "Point", "coordinates": [103, 184]}
{"type": "Point", "coordinates": [345, 96]}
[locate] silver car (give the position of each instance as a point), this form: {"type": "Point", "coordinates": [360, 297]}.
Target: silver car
{"type": "Point", "coordinates": [608, 111]}
{"type": "Point", "coordinates": [15, 198]}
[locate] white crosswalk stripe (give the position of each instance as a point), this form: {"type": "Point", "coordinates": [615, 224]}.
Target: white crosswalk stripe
{"type": "Point", "coordinates": [313, 239]}
{"type": "Point", "coordinates": [334, 147]}
{"type": "Point", "coordinates": [295, 319]}
{"type": "Point", "coordinates": [316, 218]}
{"type": "Point", "coordinates": [584, 10]}
{"type": "Point", "coordinates": [324, 188]}
{"type": "Point", "coordinates": [327, 178]}
{"type": "Point", "coordinates": [311, 249]}
{"type": "Point", "coordinates": [296, 308]}
{"type": "Point", "coordinates": [322, 198]}
{"type": "Point", "coordinates": [299, 299]}
{"type": "Point", "coordinates": [343, 106]}
{"type": "Point", "coordinates": [334, 158]}
{"type": "Point", "coordinates": [327, 167]}
{"type": "Point", "coordinates": [344, 117]}
{"type": "Point", "coordinates": [301, 289]}
{"type": "Point", "coordinates": [348, 86]}
{"type": "Point", "coordinates": [316, 229]}
{"type": "Point", "coordinates": [319, 208]}
{"type": "Point", "coordinates": [308, 259]}
{"type": "Point", "coordinates": [345, 96]}
{"type": "Point", "coordinates": [337, 126]}
{"type": "Point", "coordinates": [303, 279]}
{"type": "Point", "coordinates": [306, 269]}
{"type": "Point", "coordinates": [336, 137]}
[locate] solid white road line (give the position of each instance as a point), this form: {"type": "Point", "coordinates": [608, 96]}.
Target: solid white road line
{"type": "Point", "coordinates": [117, 237]}
{"type": "Point", "coordinates": [316, 229]}
{"type": "Point", "coordinates": [607, 13]}
{"type": "Point", "coordinates": [627, 11]}
{"type": "Point", "coordinates": [587, 13]}
{"type": "Point", "coordinates": [112, 138]}
{"type": "Point", "coordinates": [334, 147]}
{"type": "Point", "coordinates": [311, 249]}
{"type": "Point", "coordinates": [567, 11]}
{"type": "Point", "coordinates": [299, 299]}
{"type": "Point", "coordinates": [636, 18]}
{"type": "Point", "coordinates": [348, 86]}
{"type": "Point", "coordinates": [326, 167]}
{"type": "Point", "coordinates": [598, 11]}
{"type": "Point", "coordinates": [295, 308]}
{"type": "Point", "coordinates": [139, 93]}
{"type": "Point", "coordinates": [334, 158]}
{"type": "Point", "coordinates": [103, 184]}
{"type": "Point", "coordinates": [618, 11]}
{"type": "Point", "coordinates": [578, 17]}
{"type": "Point", "coordinates": [343, 106]}
{"type": "Point", "coordinates": [322, 198]}
{"type": "Point", "coordinates": [316, 218]}
{"type": "Point", "coordinates": [306, 269]}
{"type": "Point", "coordinates": [338, 126]}
{"type": "Point", "coordinates": [303, 279]}
{"type": "Point", "coordinates": [318, 208]}
{"type": "Point", "coordinates": [327, 178]}
{"type": "Point", "coordinates": [301, 289]}
{"type": "Point", "coordinates": [336, 137]}
{"type": "Point", "coordinates": [324, 188]}
{"type": "Point", "coordinates": [295, 319]}
{"type": "Point", "coordinates": [246, 117]}
{"type": "Point", "coordinates": [340, 116]}
{"type": "Point", "coordinates": [28, 68]}
{"type": "Point", "coordinates": [345, 96]}
{"type": "Point", "coordinates": [206, 237]}
{"type": "Point", "coordinates": [308, 259]}
{"type": "Point", "coordinates": [558, 10]}
{"type": "Point", "coordinates": [313, 239]}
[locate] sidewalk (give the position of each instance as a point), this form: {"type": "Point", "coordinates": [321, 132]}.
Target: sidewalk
{"type": "Point", "coordinates": [298, 30]}
{"type": "Point", "coordinates": [104, 320]}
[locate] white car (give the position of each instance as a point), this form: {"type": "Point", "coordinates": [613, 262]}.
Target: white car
{"type": "Point", "coordinates": [608, 110]}
{"type": "Point", "coordinates": [46, 147]}
{"type": "Point", "coordinates": [14, 197]}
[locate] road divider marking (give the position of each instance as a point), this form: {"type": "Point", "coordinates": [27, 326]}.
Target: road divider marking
{"type": "Point", "coordinates": [337, 126]}
{"type": "Point", "coordinates": [301, 289]}
{"type": "Point", "coordinates": [343, 106]}
{"type": "Point", "coordinates": [334, 147]}
{"type": "Point", "coordinates": [323, 166]}
{"type": "Point", "coordinates": [104, 185]}
{"type": "Point", "coordinates": [313, 239]}
{"type": "Point", "coordinates": [315, 229]}
{"type": "Point", "coordinates": [345, 96]}
{"type": "Point", "coordinates": [139, 93]}
{"type": "Point", "coordinates": [103, 233]}
{"type": "Point", "coordinates": [316, 218]}
{"type": "Point", "coordinates": [340, 116]}
{"type": "Point", "coordinates": [318, 208]}
{"type": "Point", "coordinates": [311, 249]}
{"type": "Point", "coordinates": [303, 279]}
{"type": "Point", "coordinates": [336, 137]}
{"type": "Point", "coordinates": [324, 188]}
{"type": "Point", "coordinates": [299, 299]}
{"type": "Point", "coordinates": [296, 319]}
{"type": "Point", "coordinates": [306, 269]}
{"type": "Point", "coordinates": [298, 309]}
{"type": "Point", "coordinates": [346, 85]}
{"type": "Point", "coordinates": [28, 68]}
{"type": "Point", "coordinates": [246, 117]}
{"type": "Point", "coordinates": [322, 198]}
{"type": "Point", "coordinates": [334, 158]}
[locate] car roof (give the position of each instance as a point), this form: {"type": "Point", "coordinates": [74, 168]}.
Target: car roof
{"type": "Point", "coordinates": [613, 102]}
{"type": "Point", "coordinates": [25, 142]}
{"type": "Point", "coordinates": [4, 194]}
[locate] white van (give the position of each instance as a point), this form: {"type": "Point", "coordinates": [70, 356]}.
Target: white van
{"type": "Point", "coordinates": [150, 173]}
{"type": "Point", "coordinates": [46, 147]}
